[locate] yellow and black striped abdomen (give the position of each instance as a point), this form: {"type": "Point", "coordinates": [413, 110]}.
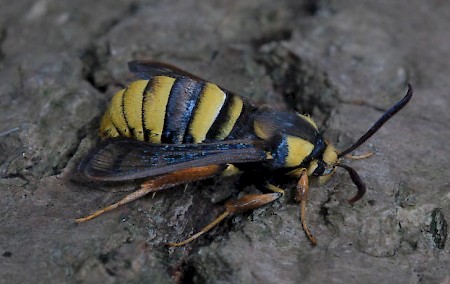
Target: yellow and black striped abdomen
{"type": "Point", "coordinates": [172, 110]}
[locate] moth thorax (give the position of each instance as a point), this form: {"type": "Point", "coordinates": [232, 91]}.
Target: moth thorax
{"type": "Point", "coordinates": [290, 151]}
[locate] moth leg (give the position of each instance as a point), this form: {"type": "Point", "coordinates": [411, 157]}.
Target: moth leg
{"type": "Point", "coordinates": [301, 195]}
{"type": "Point", "coordinates": [245, 203]}
{"type": "Point", "coordinates": [359, 157]}
{"type": "Point", "coordinates": [159, 183]}
{"type": "Point", "coordinates": [274, 188]}
{"type": "Point", "coordinates": [202, 231]}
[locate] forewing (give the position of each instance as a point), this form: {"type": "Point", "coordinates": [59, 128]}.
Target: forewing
{"type": "Point", "coordinates": [147, 69]}
{"type": "Point", "coordinates": [126, 159]}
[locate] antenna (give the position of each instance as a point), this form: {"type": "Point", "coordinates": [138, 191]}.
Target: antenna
{"type": "Point", "coordinates": [386, 116]}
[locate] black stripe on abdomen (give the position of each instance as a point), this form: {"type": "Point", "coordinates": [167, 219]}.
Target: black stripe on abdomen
{"type": "Point", "coordinates": [180, 107]}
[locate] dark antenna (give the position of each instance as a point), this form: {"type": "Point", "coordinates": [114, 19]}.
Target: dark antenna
{"type": "Point", "coordinates": [386, 116]}
{"type": "Point", "coordinates": [357, 181]}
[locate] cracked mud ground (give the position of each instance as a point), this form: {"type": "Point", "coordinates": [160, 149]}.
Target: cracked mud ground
{"type": "Point", "coordinates": [345, 62]}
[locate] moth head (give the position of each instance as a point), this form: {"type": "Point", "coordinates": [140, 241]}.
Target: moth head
{"type": "Point", "coordinates": [325, 166]}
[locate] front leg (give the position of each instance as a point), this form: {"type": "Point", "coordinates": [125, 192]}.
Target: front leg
{"type": "Point", "coordinates": [301, 195]}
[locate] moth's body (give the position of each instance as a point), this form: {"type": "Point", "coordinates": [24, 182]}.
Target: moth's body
{"type": "Point", "coordinates": [183, 111]}
{"type": "Point", "coordinates": [173, 127]}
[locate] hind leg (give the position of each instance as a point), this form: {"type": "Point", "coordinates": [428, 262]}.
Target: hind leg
{"type": "Point", "coordinates": [159, 183]}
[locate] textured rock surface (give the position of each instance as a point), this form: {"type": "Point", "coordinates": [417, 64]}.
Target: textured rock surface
{"type": "Point", "coordinates": [344, 61]}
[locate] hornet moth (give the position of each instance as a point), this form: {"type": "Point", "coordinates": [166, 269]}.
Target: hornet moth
{"type": "Point", "coordinates": [172, 127]}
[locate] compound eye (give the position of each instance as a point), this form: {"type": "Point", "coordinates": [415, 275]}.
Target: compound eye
{"type": "Point", "coordinates": [320, 168]}
{"type": "Point", "coordinates": [328, 171]}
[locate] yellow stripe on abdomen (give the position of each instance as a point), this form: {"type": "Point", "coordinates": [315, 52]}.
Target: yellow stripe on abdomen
{"type": "Point", "coordinates": [107, 128]}
{"type": "Point", "coordinates": [116, 113]}
{"type": "Point", "coordinates": [132, 105]}
{"type": "Point", "coordinates": [234, 112]}
{"type": "Point", "coordinates": [210, 102]}
{"type": "Point", "coordinates": [154, 106]}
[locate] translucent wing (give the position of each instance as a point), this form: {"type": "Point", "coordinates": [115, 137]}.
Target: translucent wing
{"type": "Point", "coordinates": [120, 159]}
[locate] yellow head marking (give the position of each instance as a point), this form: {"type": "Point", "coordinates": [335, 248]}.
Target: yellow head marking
{"type": "Point", "coordinates": [331, 159]}
{"type": "Point", "coordinates": [330, 156]}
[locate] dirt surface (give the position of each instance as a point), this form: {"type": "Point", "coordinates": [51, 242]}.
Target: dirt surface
{"type": "Point", "coordinates": [345, 62]}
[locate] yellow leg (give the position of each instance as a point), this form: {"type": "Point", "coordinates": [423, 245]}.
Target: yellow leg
{"type": "Point", "coordinates": [274, 188]}
{"type": "Point", "coordinates": [245, 203]}
{"type": "Point", "coordinates": [302, 196]}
